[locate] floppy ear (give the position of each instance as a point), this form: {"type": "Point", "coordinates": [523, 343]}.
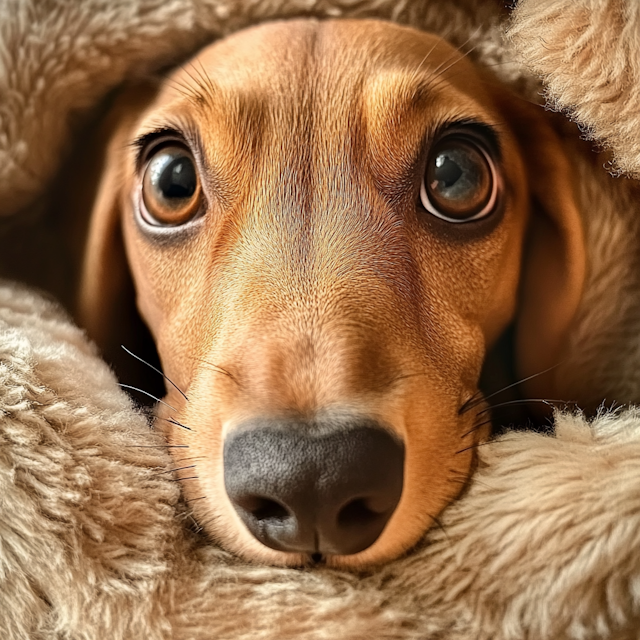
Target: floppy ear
{"type": "Point", "coordinates": [105, 304]}
{"type": "Point", "coordinates": [554, 265]}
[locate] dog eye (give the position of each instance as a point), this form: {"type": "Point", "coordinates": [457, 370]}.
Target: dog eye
{"type": "Point", "coordinates": [460, 182]}
{"type": "Point", "coordinates": [171, 191]}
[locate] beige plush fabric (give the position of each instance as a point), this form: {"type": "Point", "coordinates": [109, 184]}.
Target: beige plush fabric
{"type": "Point", "coordinates": [94, 542]}
{"type": "Point", "coordinates": [587, 53]}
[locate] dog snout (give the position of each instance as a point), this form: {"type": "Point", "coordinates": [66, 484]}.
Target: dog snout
{"type": "Point", "coordinates": [314, 488]}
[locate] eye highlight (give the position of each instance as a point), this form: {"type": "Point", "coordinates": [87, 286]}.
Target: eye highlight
{"type": "Point", "coordinates": [171, 190]}
{"type": "Point", "coordinates": [461, 182]}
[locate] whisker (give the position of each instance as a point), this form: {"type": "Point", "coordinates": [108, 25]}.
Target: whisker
{"type": "Point", "coordinates": [185, 68]}
{"type": "Point", "coordinates": [469, 404]}
{"type": "Point", "coordinates": [188, 92]}
{"type": "Point", "coordinates": [178, 469]}
{"type": "Point", "coordinates": [207, 79]}
{"type": "Point", "coordinates": [217, 369]}
{"type": "Point", "coordinates": [146, 393]}
{"type": "Point", "coordinates": [175, 422]}
{"type": "Point", "coordinates": [547, 401]}
{"type": "Point", "coordinates": [476, 445]}
{"type": "Point", "coordinates": [490, 81]}
{"type": "Point", "coordinates": [191, 93]}
{"type": "Point", "coordinates": [478, 426]}
{"type": "Point", "coordinates": [440, 526]}
{"type": "Point", "coordinates": [178, 424]}
{"type": "Point", "coordinates": [201, 78]}
{"type": "Point", "coordinates": [473, 401]}
{"type": "Point", "coordinates": [166, 377]}
{"type": "Point", "coordinates": [437, 71]}
{"type": "Point", "coordinates": [441, 79]}
{"type": "Point", "coordinates": [419, 67]}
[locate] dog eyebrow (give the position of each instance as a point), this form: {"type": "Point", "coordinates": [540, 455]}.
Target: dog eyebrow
{"type": "Point", "coordinates": [404, 93]}
{"type": "Point", "coordinates": [419, 86]}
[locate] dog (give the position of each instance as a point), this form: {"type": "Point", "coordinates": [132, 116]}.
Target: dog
{"type": "Point", "coordinates": [328, 224]}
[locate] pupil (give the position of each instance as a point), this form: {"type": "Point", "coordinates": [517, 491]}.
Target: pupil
{"type": "Point", "coordinates": [178, 179]}
{"type": "Point", "coordinates": [447, 171]}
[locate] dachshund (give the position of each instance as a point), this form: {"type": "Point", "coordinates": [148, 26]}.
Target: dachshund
{"type": "Point", "coordinates": [328, 224]}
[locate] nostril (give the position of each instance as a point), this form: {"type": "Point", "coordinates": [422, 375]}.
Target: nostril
{"type": "Point", "coordinates": [262, 508]}
{"type": "Point", "coordinates": [358, 513]}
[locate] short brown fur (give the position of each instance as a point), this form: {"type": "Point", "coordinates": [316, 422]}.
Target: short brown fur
{"type": "Point", "coordinates": [313, 284]}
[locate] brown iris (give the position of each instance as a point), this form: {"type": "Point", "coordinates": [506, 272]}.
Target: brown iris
{"type": "Point", "coordinates": [171, 191]}
{"type": "Point", "coordinates": [460, 182]}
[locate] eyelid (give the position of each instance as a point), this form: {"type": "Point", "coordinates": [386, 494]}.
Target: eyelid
{"type": "Point", "coordinates": [496, 188]}
{"type": "Point", "coordinates": [486, 134]}
{"type": "Point", "coordinates": [149, 142]}
{"type": "Point", "coordinates": [187, 136]}
{"type": "Point", "coordinates": [486, 139]}
{"type": "Point", "coordinates": [195, 205]}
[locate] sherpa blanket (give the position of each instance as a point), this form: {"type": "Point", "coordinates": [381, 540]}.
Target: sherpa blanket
{"type": "Point", "coordinates": [94, 540]}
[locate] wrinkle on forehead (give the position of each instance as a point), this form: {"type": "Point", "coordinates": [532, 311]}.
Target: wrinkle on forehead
{"type": "Point", "coordinates": [289, 78]}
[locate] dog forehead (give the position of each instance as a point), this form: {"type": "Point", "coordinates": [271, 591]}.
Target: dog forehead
{"type": "Point", "coordinates": [347, 100]}
{"type": "Point", "coordinates": [335, 61]}
{"type": "Point", "coordinates": [275, 50]}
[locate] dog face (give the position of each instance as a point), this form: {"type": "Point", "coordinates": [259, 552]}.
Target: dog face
{"type": "Point", "coordinates": [325, 224]}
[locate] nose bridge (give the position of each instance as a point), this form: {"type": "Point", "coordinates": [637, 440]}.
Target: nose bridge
{"type": "Point", "coordinates": [332, 292]}
{"type": "Point", "coordinates": [306, 364]}
{"type": "Point", "coordinates": [322, 238]}
{"type": "Point", "coordinates": [321, 275]}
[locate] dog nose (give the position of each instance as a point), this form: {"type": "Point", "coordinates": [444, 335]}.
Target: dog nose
{"type": "Point", "coordinates": [314, 488]}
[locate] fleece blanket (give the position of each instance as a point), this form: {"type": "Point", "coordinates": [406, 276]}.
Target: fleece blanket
{"type": "Point", "coordinates": [94, 539]}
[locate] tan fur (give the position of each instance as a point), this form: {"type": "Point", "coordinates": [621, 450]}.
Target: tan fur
{"type": "Point", "coordinates": [340, 302]}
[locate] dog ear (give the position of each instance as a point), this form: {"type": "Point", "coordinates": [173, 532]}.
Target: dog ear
{"type": "Point", "coordinates": [105, 304]}
{"type": "Point", "coordinates": [554, 262]}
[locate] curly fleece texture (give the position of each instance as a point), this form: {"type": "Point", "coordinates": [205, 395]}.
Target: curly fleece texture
{"type": "Point", "coordinates": [569, 45]}
{"type": "Point", "coordinates": [94, 541]}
